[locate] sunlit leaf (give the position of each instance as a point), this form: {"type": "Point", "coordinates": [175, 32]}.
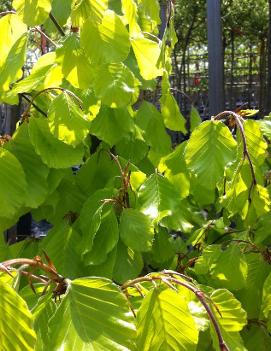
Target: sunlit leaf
{"type": "Point", "coordinates": [16, 321]}
{"type": "Point", "coordinates": [209, 150]}
{"type": "Point", "coordinates": [164, 323]}
{"type": "Point", "coordinates": [116, 85]}
{"type": "Point", "coordinates": [136, 230]}
{"type": "Point", "coordinates": [33, 12]}
{"type": "Point", "coordinates": [107, 42]}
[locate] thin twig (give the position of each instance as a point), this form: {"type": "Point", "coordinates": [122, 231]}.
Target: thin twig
{"type": "Point", "coordinates": [57, 25]}
{"type": "Point", "coordinates": [37, 29]}
{"type": "Point", "coordinates": [33, 263]}
{"type": "Point", "coordinates": [26, 113]}
{"type": "Point", "coordinates": [34, 105]}
{"type": "Point", "coordinates": [4, 13]}
{"type": "Point", "coordinates": [184, 94]}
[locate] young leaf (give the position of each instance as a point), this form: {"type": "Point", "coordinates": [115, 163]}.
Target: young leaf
{"type": "Point", "coordinates": [16, 321]}
{"type": "Point", "coordinates": [52, 151]}
{"type": "Point", "coordinates": [116, 85]}
{"type": "Point", "coordinates": [209, 150]}
{"type": "Point", "coordinates": [157, 198]}
{"type": "Point", "coordinates": [106, 42]}
{"type": "Point", "coordinates": [36, 172]}
{"type": "Point", "coordinates": [111, 125]}
{"type": "Point", "coordinates": [173, 118]}
{"type": "Point", "coordinates": [66, 121]}
{"type": "Point", "coordinates": [164, 323]}
{"type": "Point", "coordinates": [33, 12]}
{"type": "Point", "coordinates": [84, 9]}
{"type": "Point", "coordinates": [63, 238]}
{"type": "Point", "coordinates": [100, 314]}
{"type": "Point", "coordinates": [105, 239]}
{"type": "Point", "coordinates": [128, 265]}
{"type": "Point", "coordinates": [74, 63]}
{"type": "Point", "coordinates": [195, 119]}
{"type": "Point", "coordinates": [231, 316]}
{"type": "Point", "coordinates": [136, 230]}
{"type": "Point", "coordinates": [13, 184]}
{"type": "Point", "coordinates": [91, 217]}
{"type": "Point", "coordinates": [255, 143]}
{"type": "Point", "coordinates": [147, 53]}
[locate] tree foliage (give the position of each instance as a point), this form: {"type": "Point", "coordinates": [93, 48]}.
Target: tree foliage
{"type": "Point", "coordinates": [151, 247]}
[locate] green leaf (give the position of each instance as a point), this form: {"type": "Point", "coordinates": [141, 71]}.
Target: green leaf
{"type": "Point", "coordinates": [45, 73]}
{"type": "Point", "coordinates": [107, 42]}
{"type": "Point", "coordinates": [195, 119]}
{"type": "Point", "coordinates": [36, 172]}
{"type": "Point", "coordinates": [162, 251]}
{"type": "Point", "coordinates": [74, 63]}
{"type": "Point", "coordinates": [13, 184]}
{"type": "Point", "coordinates": [42, 312]}
{"type": "Point", "coordinates": [101, 315]}
{"type": "Point", "coordinates": [67, 121]}
{"type": "Point", "coordinates": [32, 12]}
{"type": "Point", "coordinates": [209, 150]}
{"type": "Point", "coordinates": [149, 15]}
{"type": "Point", "coordinates": [147, 53]}
{"type": "Point", "coordinates": [63, 238]}
{"type": "Point", "coordinates": [164, 323]}
{"type": "Point", "coordinates": [174, 169]}
{"type": "Point", "coordinates": [91, 217]}
{"type": "Point", "coordinates": [151, 123]}
{"type": "Point", "coordinates": [16, 322]}
{"type": "Point", "coordinates": [129, 264]}
{"type": "Point", "coordinates": [97, 173]}
{"type": "Point", "coordinates": [136, 230]}
{"type": "Point", "coordinates": [157, 198]}
{"type": "Point", "coordinates": [265, 127]}
{"type": "Point", "coordinates": [129, 9]}
{"type": "Point", "coordinates": [84, 9]}
{"type": "Point", "coordinates": [111, 125]}
{"type": "Point", "coordinates": [256, 338]}
{"type": "Point", "coordinates": [105, 240]}
{"type": "Point", "coordinates": [12, 49]}
{"type": "Point", "coordinates": [219, 265]}
{"type": "Point", "coordinates": [115, 85]}
{"type": "Point", "coordinates": [266, 299]}
{"type": "Point", "coordinates": [10, 71]}
{"type": "Point", "coordinates": [231, 316]}
{"type": "Point", "coordinates": [52, 151]}
{"type": "Point", "coordinates": [255, 142]}
{"type": "Point", "coordinates": [173, 118]}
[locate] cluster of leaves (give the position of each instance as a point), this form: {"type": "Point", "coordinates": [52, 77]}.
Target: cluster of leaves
{"type": "Point", "coordinates": [135, 205]}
